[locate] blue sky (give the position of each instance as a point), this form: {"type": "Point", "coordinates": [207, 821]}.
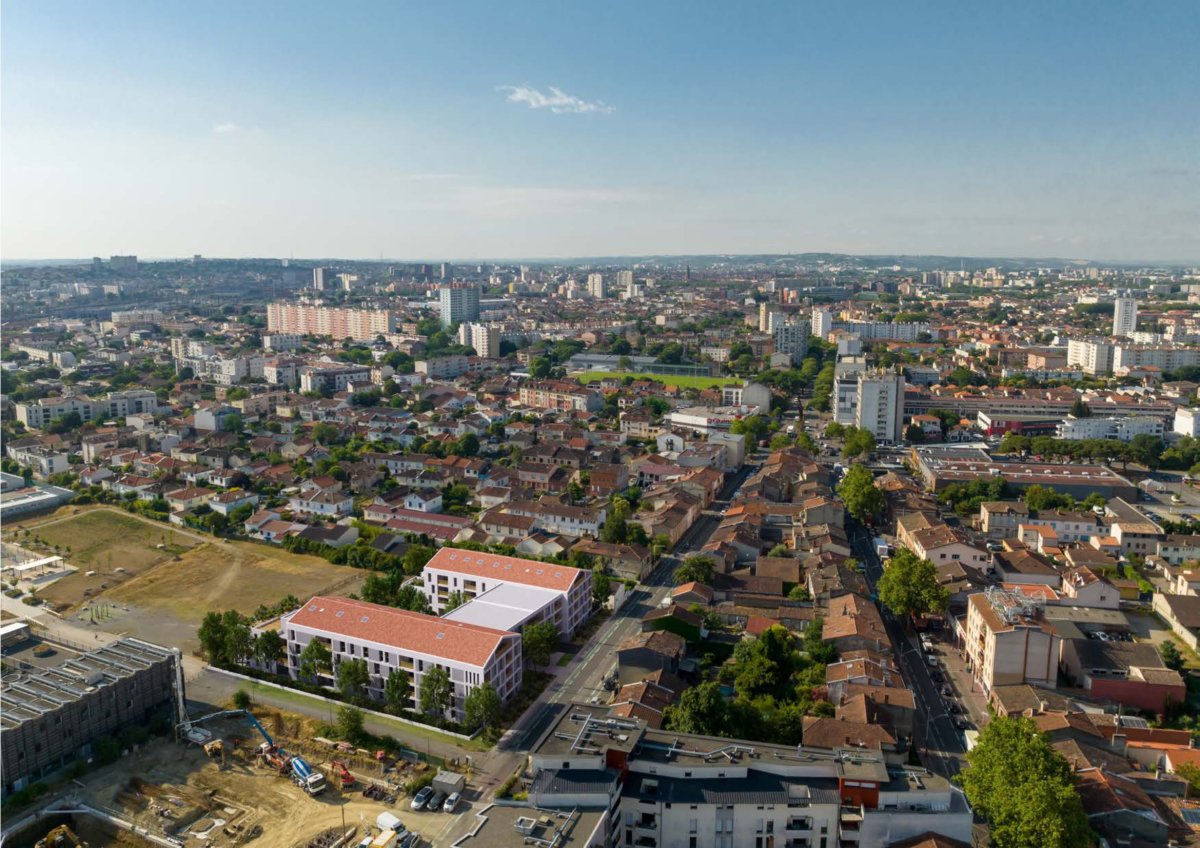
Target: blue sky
{"type": "Point", "coordinates": [464, 130]}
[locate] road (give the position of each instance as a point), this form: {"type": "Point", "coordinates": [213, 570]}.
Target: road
{"type": "Point", "coordinates": [935, 733]}
{"type": "Point", "coordinates": [584, 680]}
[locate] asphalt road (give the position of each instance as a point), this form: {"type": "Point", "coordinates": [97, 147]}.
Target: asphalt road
{"type": "Point", "coordinates": [584, 680]}
{"type": "Point", "coordinates": [934, 734]}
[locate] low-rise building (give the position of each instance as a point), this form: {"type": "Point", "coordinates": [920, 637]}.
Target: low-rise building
{"type": "Point", "coordinates": [1009, 641]}
{"type": "Point", "coordinates": [394, 640]}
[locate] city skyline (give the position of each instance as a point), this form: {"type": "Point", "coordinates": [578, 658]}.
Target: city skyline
{"type": "Point", "coordinates": [271, 130]}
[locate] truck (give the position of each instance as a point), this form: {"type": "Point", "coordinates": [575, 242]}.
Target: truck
{"type": "Point", "coordinates": [306, 777]}
{"type": "Point", "coordinates": [882, 549]}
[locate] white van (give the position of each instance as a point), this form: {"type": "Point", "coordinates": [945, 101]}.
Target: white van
{"type": "Point", "coordinates": [386, 821]}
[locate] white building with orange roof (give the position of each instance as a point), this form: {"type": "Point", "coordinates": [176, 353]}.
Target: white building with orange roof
{"type": "Point", "coordinates": [508, 592]}
{"type": "Point", "coordinates": [397, 640]}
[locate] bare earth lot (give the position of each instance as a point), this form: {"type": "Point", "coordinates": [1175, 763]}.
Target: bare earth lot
{"type": "Point", "coordinates": [162, 593]}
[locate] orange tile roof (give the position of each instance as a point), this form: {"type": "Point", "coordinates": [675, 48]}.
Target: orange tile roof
{"type": "Point", "coordinates": [403, 630]}
{"type": "Point", "coordinates": [511, 569]}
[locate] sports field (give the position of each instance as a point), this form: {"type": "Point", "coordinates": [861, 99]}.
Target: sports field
{"type": "Point", "coordinates": [665, 379]}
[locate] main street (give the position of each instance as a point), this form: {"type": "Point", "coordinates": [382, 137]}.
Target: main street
{"type": "Point", "coordinates": [935, 733]}
{"type": "Point", "coordinates": [584, 679]}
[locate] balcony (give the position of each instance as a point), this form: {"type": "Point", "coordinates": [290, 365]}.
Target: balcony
{"type": "Point", "coordinates": [798, 825]}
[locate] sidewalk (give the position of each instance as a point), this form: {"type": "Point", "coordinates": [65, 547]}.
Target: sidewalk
{"type": "Point", "coordinates": [966, 690]}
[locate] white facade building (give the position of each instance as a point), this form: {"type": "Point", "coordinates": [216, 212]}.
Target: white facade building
{"type": "Point", "coordinates": [1123, 428]}
{"type": "Point", "coordinates": [1092, 356]}
{"type": "Point", "coordinates": [395, 640]}
{"type": "Point", "coordinates": [458, 303]}
{"type": "Point", "coordinates": [879, 404]}
{"type": "Point", "coordinates": [1124, 316]}
{"type": "Point", "coordinates": [556, 593]}
{"type": "Point", "coordinates": [822, 322]}
{"type": "Point", "coordinates": [1187, 421]}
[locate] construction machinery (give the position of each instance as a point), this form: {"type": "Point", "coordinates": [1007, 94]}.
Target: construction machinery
{"type": "Point", "coordinates": [344, 775]}
{"type": "Point", "coordinates": [191, 730]}
{"type": "Point", "coordinates": [61, 837]}
{"type": "Point", "coordinates": [306, 777]}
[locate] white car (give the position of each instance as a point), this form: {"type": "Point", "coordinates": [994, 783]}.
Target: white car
{"type": "Point", "coordinates": [451, 803]}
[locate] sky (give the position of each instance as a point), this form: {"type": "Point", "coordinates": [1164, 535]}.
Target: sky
{"type": "Point", "coordinates": [427, 131]}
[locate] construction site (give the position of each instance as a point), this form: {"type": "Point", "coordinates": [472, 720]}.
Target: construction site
{"type": "Point", "coordinates": [234, 778]}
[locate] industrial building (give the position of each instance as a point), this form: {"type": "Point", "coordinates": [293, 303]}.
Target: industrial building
{"type": "Point", "coordinates": [53, 709]}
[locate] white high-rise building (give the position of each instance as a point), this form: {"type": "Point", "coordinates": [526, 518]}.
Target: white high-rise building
{"type": "Point", "coordinates": [319, 279]}
{"type": "Point", "coordinates": [1124, 316]}
{"type": "Point", "coordinates": [485, 338]}
{"type": "Point", "coordinates": [625, 282]}
{"type": "Point", "coordinates": [768, 317]}
{"type": "Point", "coordinates": [1092, 356]}
{"type": "Point", "coordinates": [880, 404]}
{"type": "Point", "coordinates": [459, 303]}
{"type": "Point", "coordinates": [596, 287]}
{"type": "Point", "coordinates": [792, 339]}
{"type": "Point", "coordinates": [822, 322]}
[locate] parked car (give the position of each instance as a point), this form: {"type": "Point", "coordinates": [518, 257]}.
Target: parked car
{"type": "Point", "coordinates": [435, 803]}
{"type": "Point", "coordinates": [421, 798]}
{"type": "Point", "coordinates": [947, 691]}
{"type": "Point", "coordinates": [932, 661]}
{"type": "Point", "coordinates": [451, 802]}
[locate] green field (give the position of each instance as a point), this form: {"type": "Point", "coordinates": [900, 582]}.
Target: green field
{"type": "Point", "coordinates": [666, 379]}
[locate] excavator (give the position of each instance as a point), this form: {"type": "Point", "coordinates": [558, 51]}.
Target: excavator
{"type": "Point", "coordinates": [61, 837]}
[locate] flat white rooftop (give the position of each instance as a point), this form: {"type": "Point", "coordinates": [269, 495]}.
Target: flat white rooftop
{"type": "Point", "coordinates": [504, 607]}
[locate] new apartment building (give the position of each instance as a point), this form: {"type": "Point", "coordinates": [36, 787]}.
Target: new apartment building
{"type": "Point", "coordinates": [361, 325]}
{"type": "Point", "coordinates": [396, 640]}
{"type": "Point", "coordinates": [508, 592]}
{"type": "Point", "coordinates": [1123, 428]}
{"type": "Point", "coordinates": [485, 338]}
{"type": "Point", "coordinates": [664, 789]}
{"type": "Point", "coordinates": [879, 404]}
{"type": "Point", "coordinates": [1092, 356]}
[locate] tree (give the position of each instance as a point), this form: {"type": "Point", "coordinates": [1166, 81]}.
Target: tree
{"type": "Point", "coordinates": [799, 592]}
{"type": "Point", "coordinates": [453, 601]}
{"type": "Point", "coordinates": [241, 700]}
{"type": "Point", "coordinates": [616, 527]}
{"type": "Point", "coordinates": [1171, 657]}
{"type": "Point", "coordinates": [909, 586]}
{"type": "Point", "coordinates": [780, 550]}
{"type": "Point", "coordinates": [1024, 788]}
{"type": "Point", "coordinates": [696, 568]}
{"type": "Point", "coordinates": [239, 642]}
{"type": "Point", "coordinates": [465, 445]}
{"type": "Point", "coordinates": [601, 585]}
{"type": "Point", "coordinates": [1079, 409]}
{"type": "Point", "coordinates": [481, 707]}
{"type": "Point", "coordinates": [780, 441]}
{"type": "Point", "coordinates": [212, 638]}
{"type": "Point", "coordinates": [435, 691]}
{"type": "Point", "coordinates": [834, 430]}
{"type": "Point", "coordinates": [315, 659]}
{"type": "Point", "coordinates": [538, 642]}
{"type": "Point", "coordinates": [1191, 773]}
{"type": "Point", "coordinates": [350, 723]}
{"type": "Point", "coordinates": [858, 491]}
{"type": "Point", "coordinates": [1039, 497]}
{"type": "Point", "coordinates": [325, 433]}
{"type": "Point", "coordinates": [269, 647]}
{"type": "Point", "coordinates": [397, 689]}
{"type": "Point", "coordinates": [858, 443]}
{"type": "Point", "coordinates": [539, 368]}
{"type": "Point", "coordinates": [353, 677]}
{"type": "Point", "coordinates": [914, 433]}
{"type": "Point", "coordinates": [1146, 450]}
{"type": "Point", "coordinates": [701, 709]}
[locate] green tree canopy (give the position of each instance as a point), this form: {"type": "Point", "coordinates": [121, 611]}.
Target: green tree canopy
{"type": "Point", "coordinates": [538, 642]}
{"type": "Point", "coordinates": [909, 585]}
{"type": "Point", "coordinates": [315, 659]}
{"type": "Point", "coordinates": [858, 491]}
{"type": "Point", "coordinates": [697, 568]}
{"type": "Point", "coordinates": [1024, 788]}
{"type": "Point", "coordinates": [436, 691]}
{"type": "Point", "coordinates": [397, 689]}
{"type": "Point", "coordinates": [481, 707]}
{"type": "Point", "coordinates": [353, 677]}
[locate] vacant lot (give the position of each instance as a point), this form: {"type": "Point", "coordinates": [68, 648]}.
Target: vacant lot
{"type": "Point", "coordinates": [114, 545]}
{"type": "Point", "coordinates": [231, 575]}
{"type": "Point", "coordinates": [665, 379]}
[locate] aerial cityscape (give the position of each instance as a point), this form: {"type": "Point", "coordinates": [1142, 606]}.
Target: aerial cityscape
{"type": "Point", "coordinates": [490, 436]}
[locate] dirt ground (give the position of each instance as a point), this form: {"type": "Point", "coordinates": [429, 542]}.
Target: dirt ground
{"type": "Point", "coordinates": [169, 788]}
{"type": "Point", "coordinates": [162, 593]}
{"type": "Point", "coordinates": [114, 545]}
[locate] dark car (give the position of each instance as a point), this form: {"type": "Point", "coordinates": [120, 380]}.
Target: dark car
{"type": "Point", "coordinates": [961, 723]}
{"type": "Point", "coordinates": [436, 802]}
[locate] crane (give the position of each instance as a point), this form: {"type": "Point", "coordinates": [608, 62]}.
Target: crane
{"type": "Point", "coordinates": [189, 725]}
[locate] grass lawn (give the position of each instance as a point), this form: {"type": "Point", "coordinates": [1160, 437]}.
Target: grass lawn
{"type": "Point", "coordinates": [315, 707]}
{"type": "Point", "coordinates": [665, 379]}
{"type": "Point", "coordinates": [109, 538]}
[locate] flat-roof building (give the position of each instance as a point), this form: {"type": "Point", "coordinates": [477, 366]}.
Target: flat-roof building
{"type": "Point", "coordinates": [508, 592]}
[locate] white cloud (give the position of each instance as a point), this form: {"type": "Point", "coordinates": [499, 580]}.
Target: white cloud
{"type": "Point", "coordinates": [226, 128]}
{"type": "Point", "coordinates": [557, 101]}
